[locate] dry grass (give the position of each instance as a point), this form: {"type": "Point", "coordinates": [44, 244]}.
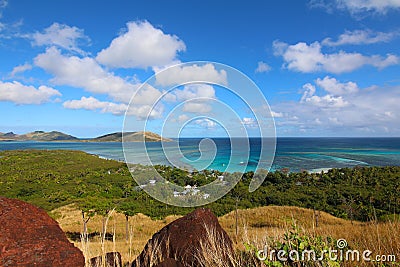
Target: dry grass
{"type": "Point", "coordinates": [141, 229]}
{"type": "Point", "coordinates": [261, 225]}
{"type": "Point", "coordinates": [256, 226]}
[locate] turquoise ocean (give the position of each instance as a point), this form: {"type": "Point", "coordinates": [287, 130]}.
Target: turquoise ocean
{"type": "Point", "coordinates": [295, 154]}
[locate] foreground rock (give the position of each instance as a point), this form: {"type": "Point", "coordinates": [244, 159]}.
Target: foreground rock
{"type": "Point", "coordinates": [29, 237]}
{"type": "Point", "coordinates": [170, 263]}
{"type": "Point", "coordinates": [194, 240]}
{"type": "Point", "coordinates": [112, 259]}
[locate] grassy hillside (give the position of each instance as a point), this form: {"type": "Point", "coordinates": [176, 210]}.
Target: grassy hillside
{"type": "Point", "coordinates": [65, 183]}
{"type": "Point", "coordinates": [130, 137]}
{"type": "Point", "coordinates": [38, 136]}
{"type": "Point", "coordinates": [51, 179]}
{"type": "Point", "coordinates": [59, 136]}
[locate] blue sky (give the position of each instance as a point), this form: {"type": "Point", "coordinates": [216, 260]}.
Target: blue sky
{"type": "Point", "coordinates": [327, 68]}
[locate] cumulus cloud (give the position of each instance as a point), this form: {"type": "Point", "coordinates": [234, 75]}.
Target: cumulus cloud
{"type": "Point", "coordinates": [334, 87]}
{"type": "Point", "coordinates": [359, 37]}
{"type": "Point", "coordinates": [263, 67]}
{"type": "Point", "coordinates": [323, 109]}
{"type": "Point", "coordinates": [192, 73]}
{"type": "Point", "coordinates": [197, 97]}
{"type": "Point", "coordinates": [23, 94]}
{"type": "Point", "coordinates": [306, 58]}
{"type": "Point", "coordinates": [327, 101]}
{"type": "Point", "coordinates": [91, 103]}
{"type": "Point", "coordinates": [141, 46]}
{"type": "Point", "coordinates": [20, 69]}
{"type": "Point", "coordinates": [84, 73]}
{"type": "Point", "coordinates": [309, 91]}
{"type": "Point", "coordinates": [60, 35]}
{"type": "Point", "coordinates": [193, 91]}
{"type": "Point", "coordinates": [331, 100]}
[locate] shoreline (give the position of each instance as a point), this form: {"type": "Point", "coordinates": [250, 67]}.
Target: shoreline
{"type": "Point", "coordinates": [292, 154]}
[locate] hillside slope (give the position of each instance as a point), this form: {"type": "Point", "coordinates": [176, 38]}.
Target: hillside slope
{"type": "Point", "coordinates": [59, 136]}
{"type": "Point", "coordinates": [130, 137]}
{"type": "Point", "coordinates": [38, 136]}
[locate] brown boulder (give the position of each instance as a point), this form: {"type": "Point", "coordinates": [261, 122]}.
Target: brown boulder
{"type": "Point", "coordinates": [169, 263]}
{"type": "Point", "coordinates": [30, 237]}
{"type": "Point", "coordinates": [112, 259]}
{"type": "Point", "coordinates": [196, 239]}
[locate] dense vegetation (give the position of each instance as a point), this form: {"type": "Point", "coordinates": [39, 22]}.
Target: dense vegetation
{"type": "Point", "coordinates": [50, 179]}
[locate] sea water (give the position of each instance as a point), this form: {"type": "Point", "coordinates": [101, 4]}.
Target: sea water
{"type": "Point", "coordinates": [295, 154]}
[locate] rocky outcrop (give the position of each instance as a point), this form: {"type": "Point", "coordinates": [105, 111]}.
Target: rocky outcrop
{"type": "Point", "coordinates": [189, 241]}
{"type": "Point", "coordinates": [29, 237]}
{"type": "Point", "coordinates": [112, 259]}
{"type": "Point", "coordinates": [170, 263]}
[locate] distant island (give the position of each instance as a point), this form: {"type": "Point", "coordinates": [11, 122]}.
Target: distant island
{"type": "Point", "coordinates": [59, 136]}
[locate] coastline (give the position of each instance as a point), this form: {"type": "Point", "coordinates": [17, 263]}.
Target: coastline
{"type": "Point", "coordinates": [292, 154]}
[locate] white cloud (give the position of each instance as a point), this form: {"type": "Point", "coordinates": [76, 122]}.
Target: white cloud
{"type": "Point", "coordinates": [23, 94]}
{"type": "Point", "coordinates": [309, 91]}
{"type": "Point", "coordinates": [327, 101]}
{"type": "Point", "coordinates": [20, 69]}
{"type": "Point", "coordinates": [141, 46]}
{"type": "Point", "coordinates": [196, 107]}
{"type": "Point", "coordinates": [357, 7]}
{"type": "Point", "coordinates": [321, 112]}
{"type": "Point", "coordinates": [359, 37]}
{"type": "Point", "coordinates": [193, 73]}
{"type": "Point", "coordinates": [249, 122]}
{"type": "Point", "coordinates": [193, 91]}
{"type": "Point", "coordinates": [91, 103]}
{"type": "Point", "coordinates": [309, 58]}
{"type": "Point", "coordinates": [85, 73]}
{"type": "Point", "coordinates": [183, 118]}
{"type": "Point", "coordinates": [276, 114]}
{"type": "Point", "coordinates": [147, 95]}
{"type": "Point", "coordinates": [263, 67]}
{"type": "Point", "coordinates": [206, 123]}
{"type": "Point", "coordinates": [335, 87]}
{"type": "Point", "coordinates": [330, 85]}
{"type": "Point", "coordinates": [197, 97]}
{"type": "Point", "coordinates": [61, 35]}
{"type": "Point", "coordinates": [10, 31]}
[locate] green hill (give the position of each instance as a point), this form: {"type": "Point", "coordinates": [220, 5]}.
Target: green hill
{"type": "Point", "coordinates": [59, 136]}
{"type": "Point", "coordinates": [38, 136]}
{"type": "Point", "coordinates": [130, 137]}
{"type": "Point", "coordinates": [54, 178]}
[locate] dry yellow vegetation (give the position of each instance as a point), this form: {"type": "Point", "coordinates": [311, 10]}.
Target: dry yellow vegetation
{"type": "Point", "coordinates": [255, 226]}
